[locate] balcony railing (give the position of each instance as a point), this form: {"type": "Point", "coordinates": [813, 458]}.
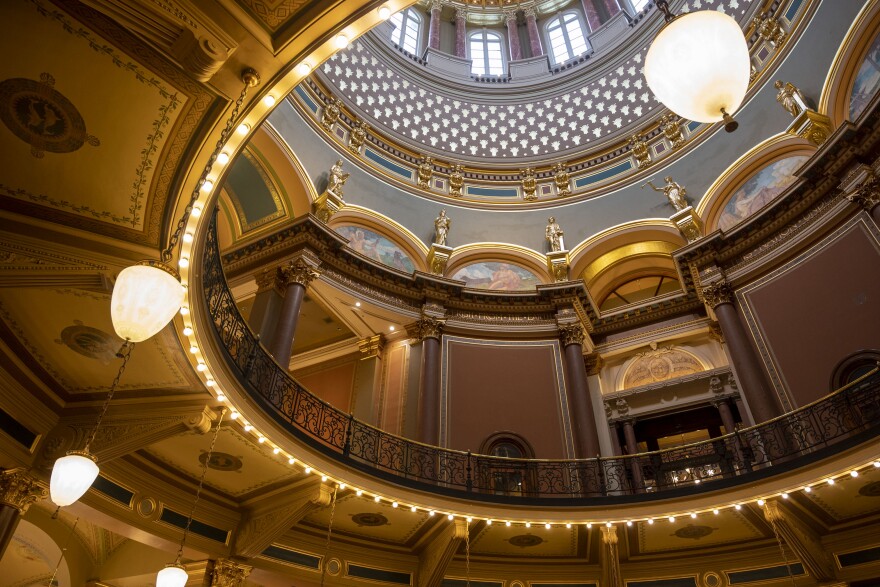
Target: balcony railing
{"type": "Point", "coordinates": [847, 417]}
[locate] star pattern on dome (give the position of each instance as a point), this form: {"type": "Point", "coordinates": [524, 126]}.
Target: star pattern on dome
{"type": "Point", "coordinates": [437, 119]}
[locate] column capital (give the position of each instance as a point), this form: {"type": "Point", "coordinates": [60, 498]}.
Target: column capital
{"type": "Point", "coordinates": [510, 15]}
{"type": "Point", "coordinates": [426, 327]}
{"type": "Point", "coordinates": [436, 5]}
{"type": "Point", "coordinates": [529, 12]}
{"type": "Point", "coordinates": [571, 334]}
{"type": "Point", "coordinates": [593, 363]}
{"type": "Point", "coordinates": [299, 271]}
{"type": "Point", "coordinates": [372, 346]}
{"type": "Point", "coordinates": [228, 573]}
{"type": "Point", "coordinates": [19, 489]}
{"type": "Point", "coordinates": [717, 293]}
{"type": "Point", "coordinates": [266, 279]}
{"type": "Point", "coordinates": [862, 187]}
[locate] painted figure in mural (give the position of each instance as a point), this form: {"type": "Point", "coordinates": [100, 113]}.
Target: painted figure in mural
{"type": "Point", "coordinates": [456, 181]}
{"type": "Point", "coordinates": [426, 170]}
{"type": "Point", "coordinates": [441, 228]}
{"type": "Point", "coordinates": [553, 234]}
{"type": "Point", "coordinates": [674, 192]}
{"type": "Point", "coordinates": [337, 178]}
{"type": "Point", "coordinates": [505, 278]}
{"type": "Point", "coordinates": [562, 180]}
{"type": "Point", "coordinates": [790, 97]}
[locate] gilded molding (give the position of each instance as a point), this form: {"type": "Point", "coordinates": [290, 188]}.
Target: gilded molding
{"type": "Point", "coordinates": [18, 489]}
{"type": "Point", "coordinates": [769, 29]}
{"type": "Point", "coordinates": [865, 193]}
{"type": "Point", "coordinates": [593, 363]}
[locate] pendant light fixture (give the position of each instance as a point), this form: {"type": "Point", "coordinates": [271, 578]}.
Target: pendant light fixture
{"type": "Point", "coordinates": [698, 65]}
{"type": "Point", "coordinates": [174, 574]}
{"type": "Point", "coordinates": [73, 474]}
{"type": "Point", "coordinates": [148, 294]}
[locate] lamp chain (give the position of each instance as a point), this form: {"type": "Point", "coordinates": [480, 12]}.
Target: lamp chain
{"type": "Point", "coordinates": [201, 484]}
{"type": "Point", "coordinates": [782, 552]}
{"type": "Point", "coordinates": [329, 533]}
{"type": "Point", "coordinates": [250, 78]}
{"type": "Point", "coordinates": [663, 6]}
{"type": "Point", "coordinates": [63, 550]}
{"type": "Point", "coordinates": [125, 354]}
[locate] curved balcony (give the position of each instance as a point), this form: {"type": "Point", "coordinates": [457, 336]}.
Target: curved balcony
{"type": "Point", "coordinates": [843, 419]}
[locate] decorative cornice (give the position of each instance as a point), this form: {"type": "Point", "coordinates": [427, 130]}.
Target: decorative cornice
{"type": "Point", "coordinates": [18, 489]}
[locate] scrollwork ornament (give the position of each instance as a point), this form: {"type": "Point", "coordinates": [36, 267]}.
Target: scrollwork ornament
{"type": "Point", "coordinates": [425, 172]}
{"type": "Point", "coordinates": [769, 29]}
{"type": "Point", "coordinates": [227, 573]}
{"type": "Point", "coordinates": [18, 489]}
{"type": "Point", "coordinates": [866, 194]}
{"type": "Point", "coordinates": [358, 136]}
{"type": "Point", "coordinates": [717, 293]}
{"type": "Point", "coordinates": [562, 180]}
{"type": "Point", "coordinates": [671, 127]}
{"type": "Point", "coordinates": [571, 334]}
{"type": "Point", "coordinates": [427, 327]}
{"type": "Point", "coordinates": [640, 151]}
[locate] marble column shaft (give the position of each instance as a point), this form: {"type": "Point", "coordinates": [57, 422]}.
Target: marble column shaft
{"type": "Point", "coordinates": [293, 278]}
{"type": "Point", "coordinates": [460, 33]}
{"type": "Point", "coordinates": [534, 34]}
{"type": "Point", "coordinates": [632, 447]}
{"type": "Point", "coordinates": [434, 26]}
{"type": "Point", "coordinates": [612, 7]}
{"type": "Point", "coordinates": [592, 14]}
{"type": "Point", "coordinates": [583, 418]}
{"type": "Point", "coordinates": [428, 330]}
{"type": "Point", "coordinates": [513, 37]}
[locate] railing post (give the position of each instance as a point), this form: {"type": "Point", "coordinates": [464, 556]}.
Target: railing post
{"type": "Point", "coordinates": [603, 485]}
{"type": "Point", "coordinates": [346, 446]}
{"type": "Point", "coordinates": [469, 484]}
{"type": "Point", "coordinates": [252, 356]}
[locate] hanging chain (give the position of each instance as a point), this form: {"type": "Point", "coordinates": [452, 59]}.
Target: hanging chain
{"type": "Point", "coordinates": [251, 79]}
{"type": "Point", "coordinates": [125, 354]}
{"type": "Point", "coordinates": [782, 551]}
{"type": "Point", "coordinates": [329, 533]}
{"type": "Point", "coordinates": [467, 554]}
{"type": "Point", "coordinates": [192, 512]}
{"type": "Point", "coordinates": [63, 550]}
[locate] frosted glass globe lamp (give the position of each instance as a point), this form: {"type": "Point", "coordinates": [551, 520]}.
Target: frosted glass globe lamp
{"type": "Point", "coordinates": [145, 298]}
{"type": "Point", "coordinates": [172, 575]}
{"type": "Point", "coordinates": [72, 475]}
{"type": "Point", "coordinates": [698, 66]}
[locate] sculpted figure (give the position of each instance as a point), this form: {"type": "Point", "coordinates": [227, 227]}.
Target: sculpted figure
{"type": "Point", "coordinates": [562, 180]}
{"type": "Point", "coordinates": [553, 234]}
{"type": "Point", "coordinates": [790, 98]}
{"type": "Point", "coordinates": [768, 28]}
{"type": "Point", "coordinates": [441, 228]}
{"type": "Point", "coordinates": [673, 192]}
{"type": "Point", "coordinates": [456, 181]}
{"type": "Point", "coordinates": [337, 178]}
{"type": "Point", "coordinates": [672, 130]}
{"type": "Point", "coordinates": [640, 151]}
{"type": "Point", "coordinates": [426, 170]}
{"type": "Point", "coordinates": [331, 114]}
{"type": "Point", "coordinates": [358, 136]}
{"type": "Point", "coordinates": [529, 184]}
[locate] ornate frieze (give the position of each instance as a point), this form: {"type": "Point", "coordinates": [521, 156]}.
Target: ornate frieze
{"type": "Point", "coordinates": [20, 490]}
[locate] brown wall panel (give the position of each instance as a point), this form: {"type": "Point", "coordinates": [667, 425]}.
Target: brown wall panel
{"type": "Point", "coordinates": [395, 380]}
{"type": "Point", "coordinates": [811, 314]}
{"type": "Point", "coordinates": [505, 387]}
{"type": "Point", "coordinates": [333, 385]}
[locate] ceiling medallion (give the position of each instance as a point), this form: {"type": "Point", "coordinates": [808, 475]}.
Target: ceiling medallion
{"type": "Point", "coordinates": [369, 519]}
{"type": "Point", "coordinates": [221, 461]}
{"type": "Point", "coordinates": [526, 540]}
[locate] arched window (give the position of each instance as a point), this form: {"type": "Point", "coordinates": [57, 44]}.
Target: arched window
{"type": "Point", "coordinates": [406, 30]}
{"type": "Point", "coordinates": [854, 367]}
{"type": "Point", "coordinates": [639, 289]}
{"type": "Point", "coordinates": [485, 49]}
{"type": "Point", "coordinates": [639, 5]}
{"type": "Point", "coordinates": [566, 35]}
{"type": "Point", "coordinates": [507, 478]}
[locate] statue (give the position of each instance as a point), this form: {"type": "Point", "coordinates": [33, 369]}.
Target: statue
{"type": "Point", "coordinates": [640, 151]}
{"type": "Point", "coordinates": [337, 178]}
{"type": "Point", "coordinates": [331, 114]}
{"type": "Point", "coordinates": [554, 235]}
{"type": "Point", "coordinates": [358, 136]}
{"type": "Point", "coordinates": [456, 181]}
{"type": "Point", "coordinates": [671, 127]}
{"type": "Point", "coordinates": [529, 184]}
{"type": "Point", "coordinates": [768, 28]}
{"type": "Point", "coordinates": [563, 189]}
{"type": "Point", "coordinates": [441, 228]}
{"type": "Point", "coordinates": [426, 170]}
{"type": "Point", "coordinates": [673, 192]}
{"type": "Point", "coordinates": [791, 98]}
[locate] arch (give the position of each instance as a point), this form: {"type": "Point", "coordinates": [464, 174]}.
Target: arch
{"type": "Point", "coordinates": [477, 253]}
{"type": "Point", "coordinates": [397, 235]}
{"type": "Point", "coordinates": [854, 366]}
{"type": "Point", "coordinates": [407, 28]}
{"type": "Point", "coordinates": [566, 37]}
{"type": "Point", "coordinates": [661, 363]}
{"type": "Point", "coordinates": [497, 439]}
{"type": "Point", "coordinates": [643, 285]}
{"type": "Point", "coordinates": [485, 49]}
{"type": "Point", "coordinates": [838, 87]}
{"type": "Point", "coordinates": [778, 148]}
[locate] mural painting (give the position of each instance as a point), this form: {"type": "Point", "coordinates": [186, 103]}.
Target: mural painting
{"type": "Point", "coordinates": [759, 191]}
{"type": "Point", "coordinates": [376, 247]}
{"type": "Point", "coordinates": [497, 276]}
{"type": "Point", "coordinates": [867, 81]}
{"type": "Point", "coordinates": [660, 364]}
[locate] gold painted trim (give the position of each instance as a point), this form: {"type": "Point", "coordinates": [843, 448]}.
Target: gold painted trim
{"type": "Point", "coordinates": [297, 164]}
{"type": "Point", "coordinates": [353, 212]}
{"type": "Point", "coordinates": [624, 253]}
{"type": "Point", "coordinates": [869, 547]}
{"type": "Point", "coordinates": [580, 251]}
{"type": "Point", "coordinates": [488, 252]}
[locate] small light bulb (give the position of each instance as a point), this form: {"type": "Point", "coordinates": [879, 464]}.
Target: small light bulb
{"type": "Point", "coordinates": [193, 349]}
{"type": "Point", "coordinates": [248, 427]}
{"type": "Point", "coordinates": [261, 439]}
{"type": "Point", "coordinates": [291, 460]}
{"type": "Point", "coordinates": [234, 415]}
{"type": "Point", "coordinates": [394, 504]}
{"type": "Point", "coordinates": [697, 481]}
{"type": "Point", "coordinates": [221, 397]}
{"type": "Point", "coordinates": [307, 470]}
{"type": "Point", "coordinates": [201, 367]}
{"type": "Point", "coordinates": [391, 328]}
{"type": "Point", "coordinates": [341, 41]}
{"type": "Point", "coordinates": [853, 473]}
{"type": "Point", "coordinates": [547, 526]}
{"type": "Point", "coordinates": [324, 478]}
{"type": "Point", "coordinates": [830, 481]}
{"type": "Point", "coordinates": [507, 524]}
{"type": "Point", "coordinates": [243, 128]}
{"type": "Point", "coordinates": [342, 486]}
{"type": "Point", "coordinates": [488, 522]}
{"type": "Point", "coordinates": [183, 261]}
{"type": "Point", "coordinates": [208, 185]}
{"type": "Point", "coordinates": [196, 211]}
{"type": "Point", "coordinates": [651, 521]}
{"type": "Point", "coordinates": [449, 517]}
{"type": "Point", "coordinates": [568, 525]}
{"type": "Point", "coordinates": [693, 516]}
{"type": "Point", "coordinates": [413, 509]}
{"type": "Point", "coordinates": [716, 512]}
{"type": "Point", "coordinates": [303, 68]}
{"type": "Point", "coordinates": [377, 499]}
{"type": "Point", "coordinates": [629, 523]}
{"type": "Point", "coordinates": [384, 12]}
{"type": "Point", "coordinates": [431, 513]}
{"type": "Point", "coordinates": [589, 525]}
{"type": "Point", "coordinates": [269, 100]}
{"type": "Point", "coordinates": [187, 237]}
{"type": "Point", "coordinates": [469, 519]}
{"type": "Point", "coordinates": [357, 304]}
{"type": "Point", "coordinates": [738, 506]}
{"type": "Point", "coordinates": [223, 158]}
{"type": "Point", "coordinates": [671, 518]}
{"type": "Point", "coordinates": [210, 383]}
{"type": "Point", "coordinates": [877, 464]}
{"type": "Point", "coordinates": [761, 502]}
{"type": "Point", "coordinates": [359, 492]}
{"type": "Point", "coordinates": [276, 450]}
{"type": "Point", "coordinates": [808, 489]}
{"type": "Point", "coordinates": [528, 524]}
{"type": "Point", "coordinates": [187, 331]}
{"type": "Point", "coordinates": [607, 524]}
{"type": "Point", "coordinates": [784, 496]}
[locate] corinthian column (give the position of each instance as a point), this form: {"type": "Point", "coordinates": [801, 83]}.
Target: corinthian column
{"type": "Point", "coordinates": [293, 279]}
{"type": "Point", "coordinates": [18, 491]}
{"type": "Point", "coordinates": [534, 34]}
{"type": "Point", "coordinates": [434, 26]}
{"type": "Point", "coordinates": [719, 296]}
{"type": "Point", "coordinates": [583, 419]}
{"type": "Point", "coordinates": [460, 33]}
{"type": "Point", "coordinates": [428, 330]}
{"type": "Point", "coordinates": [513, 35]}
{"type": "Point", "coordinates": [228, 573]}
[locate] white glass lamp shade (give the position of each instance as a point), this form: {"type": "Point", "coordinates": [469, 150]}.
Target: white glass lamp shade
{"type": "Point", "coordinates": [172, 576]}
{"type": "Point", "coordinates": [698, 65]}
{"type": "Point", "coordinates": [72, 475]}
{"type": "Point", "coordinates": [145, 298]}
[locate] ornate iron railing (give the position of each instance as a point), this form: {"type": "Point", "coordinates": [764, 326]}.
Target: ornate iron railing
{"type": "Point", "coordinates": [847, 417]}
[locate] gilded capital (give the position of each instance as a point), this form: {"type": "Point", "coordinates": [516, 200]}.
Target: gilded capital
{"type": "Point", "coordinates": [717, 293]}
{"type": "Point", "coordinates": [372, 346]}
{"type": "Point", "coordinates": [298, 271]}
{"type": "Point", "coordinates": [266, 280]}
{"type": "Point", "coordinates": [867, 193]}
{"type": "Point", "coordinates": [426, 327]}
{"type": "Point", "coordinates": [20, 490]}
{"type": "Point", "coordinates": [227, 573]}
{"type": "Point", "coordinates": [571, 334]}
{"type": "Point", "coordinates": [593, 363]}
